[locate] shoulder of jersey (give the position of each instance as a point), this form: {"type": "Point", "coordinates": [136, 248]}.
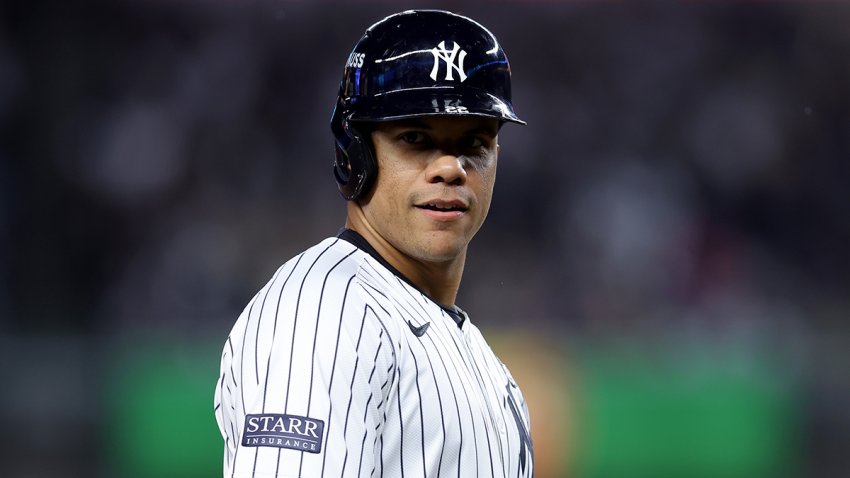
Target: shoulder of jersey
{"type": "Point", "coordinates": [348, 260]}
{"type": "Point", "coordinates": [344, 257]}
{"type": "Point", "coordinates": [334, 255]}
{"type": "Point", "coordinates": [341, 260]}
{"type": "Point", "coordinates": [339, 264]}
{"type": "Point", "coordinates": [378, 286]}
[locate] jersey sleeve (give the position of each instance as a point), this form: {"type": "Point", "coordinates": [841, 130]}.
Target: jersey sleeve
{"type": "Point", "coordinates": [306, 376]}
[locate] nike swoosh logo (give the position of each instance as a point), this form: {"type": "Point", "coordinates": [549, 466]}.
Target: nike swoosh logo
{"type": "Point", "coordinates": [418, 331]}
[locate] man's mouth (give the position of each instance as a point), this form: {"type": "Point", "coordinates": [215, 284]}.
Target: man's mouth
{"type": "Point", "coordinates": [443, 206]}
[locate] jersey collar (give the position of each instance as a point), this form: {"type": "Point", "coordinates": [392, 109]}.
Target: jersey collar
{"type": "Point", "coordinates": [355, 238]}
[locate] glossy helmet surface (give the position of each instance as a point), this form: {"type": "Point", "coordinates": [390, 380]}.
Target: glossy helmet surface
{"type": "Point", "coordinates": [412, 64]}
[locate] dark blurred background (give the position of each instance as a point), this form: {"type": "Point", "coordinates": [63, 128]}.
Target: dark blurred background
{"type": "Point", "coordinates": [665, 267]}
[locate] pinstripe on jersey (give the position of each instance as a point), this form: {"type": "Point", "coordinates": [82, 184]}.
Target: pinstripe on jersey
{"type": "Point", "coordinates": [330, 338]}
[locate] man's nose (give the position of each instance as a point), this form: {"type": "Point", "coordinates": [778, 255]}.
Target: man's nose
{"type": "Point", "coordinates": [448, 168]}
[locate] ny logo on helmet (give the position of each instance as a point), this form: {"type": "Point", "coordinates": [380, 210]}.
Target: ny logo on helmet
{"type": "Point", "coordinates": [441, 53]}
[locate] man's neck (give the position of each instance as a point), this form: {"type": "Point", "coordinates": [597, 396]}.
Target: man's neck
{"type": "Point", "coordinates": [440, 281]}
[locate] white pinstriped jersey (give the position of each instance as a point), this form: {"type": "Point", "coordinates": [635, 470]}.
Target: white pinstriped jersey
{"type": "Point", "coordinates": [332, 371]}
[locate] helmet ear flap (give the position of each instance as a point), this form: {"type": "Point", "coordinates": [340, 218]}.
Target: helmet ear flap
{"type": "Point", "coordinates": [354, 166]}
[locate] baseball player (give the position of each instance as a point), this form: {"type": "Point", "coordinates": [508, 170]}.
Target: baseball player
{"type": "Point", "coordinates": [354, 360]}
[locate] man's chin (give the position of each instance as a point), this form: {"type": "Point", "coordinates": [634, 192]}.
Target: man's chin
{"type": "Point", "coordinates": [442, 249]}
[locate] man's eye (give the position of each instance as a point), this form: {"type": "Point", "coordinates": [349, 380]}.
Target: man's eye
{"type": "Point", "coordinates": [473, 142]}
{"type": "Point", "coordinates": [413, 137]}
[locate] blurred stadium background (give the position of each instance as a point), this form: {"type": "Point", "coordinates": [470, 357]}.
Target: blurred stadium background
{"type": "Point", "coordinates": [665, 267]}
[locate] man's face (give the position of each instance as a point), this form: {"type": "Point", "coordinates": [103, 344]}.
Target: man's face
{"type": "Point", "coordinates": [434, 185]}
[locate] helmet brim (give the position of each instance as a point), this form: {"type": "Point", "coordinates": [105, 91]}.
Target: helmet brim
{"type": "Point", "coordinates": [434, 101]}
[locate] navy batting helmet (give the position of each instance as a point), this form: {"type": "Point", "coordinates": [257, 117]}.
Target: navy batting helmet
{"type": "Point", "coordinates": [411, 64]}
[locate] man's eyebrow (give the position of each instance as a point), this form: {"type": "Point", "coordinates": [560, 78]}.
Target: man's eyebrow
{"type": "Point", "coordinates": [483, 129]}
